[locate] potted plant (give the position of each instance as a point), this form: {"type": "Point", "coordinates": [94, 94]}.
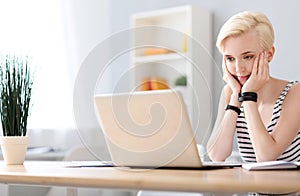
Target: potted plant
{"type": "Point", "coordinates": [181, 81]}
{"type": "Point", "coordinates": [16, 81]}
{"type": "Point", "coordinates": [181, 85]}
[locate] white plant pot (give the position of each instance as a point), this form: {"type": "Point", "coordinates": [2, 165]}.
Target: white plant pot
{"type": "Point", "coordinates": [14, 149]}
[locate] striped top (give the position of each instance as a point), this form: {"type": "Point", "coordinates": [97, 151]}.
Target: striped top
{"type": "Point", "coordinates": [292, 153]}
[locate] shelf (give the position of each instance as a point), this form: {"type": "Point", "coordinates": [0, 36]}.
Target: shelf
{"type": "Point", "coordinates": [187, 59]}
{"type": "Point", "coordinates": [158, 58]}
{"type": "Point", "coordinates": [162, 13]}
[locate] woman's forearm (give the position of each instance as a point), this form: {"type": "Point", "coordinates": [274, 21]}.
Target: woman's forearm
{"type": "Point", "coordinates": [220, 145]}
{"type": "Point", "coordinates": [263, 143]}
{"type": "Point", "coordinates": [221, 142]}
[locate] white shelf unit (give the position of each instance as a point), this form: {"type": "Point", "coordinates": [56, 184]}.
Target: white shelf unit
{"type": "Point", "coordinates": [186, 32]}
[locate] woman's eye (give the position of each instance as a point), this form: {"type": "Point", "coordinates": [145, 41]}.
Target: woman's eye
{"type": "Point", "coordinates": [230, 59]}
{"type": "Point", "coordinates": [248, 57]}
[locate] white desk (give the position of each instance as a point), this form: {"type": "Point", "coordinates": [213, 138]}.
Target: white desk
{"type": "Point", "coordinates": [220, 180]}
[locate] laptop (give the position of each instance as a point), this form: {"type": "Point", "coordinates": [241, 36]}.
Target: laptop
{"type": "Point", "coordinates": [149, 129]}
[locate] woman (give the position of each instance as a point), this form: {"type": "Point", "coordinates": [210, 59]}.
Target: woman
{"type": "Point", "coordinates": [261, 110]}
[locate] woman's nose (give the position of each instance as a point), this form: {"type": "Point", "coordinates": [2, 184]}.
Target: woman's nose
{"type": "Point", "coordinates": [239, 66]}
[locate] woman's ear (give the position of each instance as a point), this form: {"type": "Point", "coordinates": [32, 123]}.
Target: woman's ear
{"type": "Point", "coordinates": [271, 54]}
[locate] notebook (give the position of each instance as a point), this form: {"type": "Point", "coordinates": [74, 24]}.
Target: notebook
{"type": "Point", "coordinates": [149, 129]}
{"type": "Point", "coordinates": [271, 165]}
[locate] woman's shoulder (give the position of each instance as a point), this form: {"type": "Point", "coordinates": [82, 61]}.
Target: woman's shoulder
{"type": "Point", "coordinates": [293, 91]}
{"type": "Point", "coordinates": [294, 86]}
{"type": "Point", "coordinates": [291, 106]}
{"type": "Point", "coordinates": [288, 85]}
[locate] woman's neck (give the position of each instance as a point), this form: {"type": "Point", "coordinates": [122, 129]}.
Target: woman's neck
{"type": "Point", "coordinates": [271, 90]}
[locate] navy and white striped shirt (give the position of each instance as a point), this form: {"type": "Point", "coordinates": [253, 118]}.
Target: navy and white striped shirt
{"type": "Point", "coordinates": [292, 153]}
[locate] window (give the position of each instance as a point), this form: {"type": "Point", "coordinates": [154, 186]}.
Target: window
{"type": "Point", "coordinates": [35, 28]}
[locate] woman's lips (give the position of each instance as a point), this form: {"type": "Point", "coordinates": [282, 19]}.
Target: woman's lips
{"type": "Point", "coordinates": [243, 78]}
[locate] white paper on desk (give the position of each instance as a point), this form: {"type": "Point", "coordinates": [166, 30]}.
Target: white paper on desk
{"type": "Point", "coordinates": [271, 165]}
{"type": "Point", "coordinates": [222, 164]}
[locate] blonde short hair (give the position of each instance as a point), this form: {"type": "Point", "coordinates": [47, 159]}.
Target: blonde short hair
{"type": "Point", "coordinates": [244, 22]}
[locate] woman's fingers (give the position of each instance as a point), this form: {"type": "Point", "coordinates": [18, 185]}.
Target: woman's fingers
{"type": "Point", "coordinates": [260, 73]}
{"type": "Point", "coordinates": [230, 80]}
{"type": "Point", "coordinates": [256, 65]}
{"type": "Point", "coordinates": [263, 67]}
{"type": "Point", "coordinates": [266, 71]}
{"type": "Point", "coordinates": [225, 72]}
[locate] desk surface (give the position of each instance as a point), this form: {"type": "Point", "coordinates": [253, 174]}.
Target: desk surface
{"type": "Point", "coordinates": [54, 173]}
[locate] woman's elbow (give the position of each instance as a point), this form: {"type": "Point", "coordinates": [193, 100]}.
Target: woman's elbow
{"type": "Point", "coordinates": [216, 156]}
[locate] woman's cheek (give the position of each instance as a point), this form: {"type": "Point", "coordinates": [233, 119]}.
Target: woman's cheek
{"type": "Point", "coordinates": [231, 69]}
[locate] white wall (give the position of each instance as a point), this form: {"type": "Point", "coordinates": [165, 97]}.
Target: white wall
{"type": "Point", "coordinates": [86, 24]}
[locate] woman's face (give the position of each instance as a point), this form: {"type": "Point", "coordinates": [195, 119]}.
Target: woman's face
{"type": "Point", "coordinates": [239, 54]}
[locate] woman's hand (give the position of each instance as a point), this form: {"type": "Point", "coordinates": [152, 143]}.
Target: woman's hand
{"type": "Point", "coordinates": [231, 81]}
{"type": "Point", "coordinates": [260, 74]}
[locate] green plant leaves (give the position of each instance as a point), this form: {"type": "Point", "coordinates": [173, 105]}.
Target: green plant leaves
{"type": "Point", "coordinates": [181, 81]}
{"type": "Point", "coordinates": [16, 82]}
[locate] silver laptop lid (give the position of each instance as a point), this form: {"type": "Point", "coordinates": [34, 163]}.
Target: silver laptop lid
{"type": "Point", "coordinates": [148, 129]}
